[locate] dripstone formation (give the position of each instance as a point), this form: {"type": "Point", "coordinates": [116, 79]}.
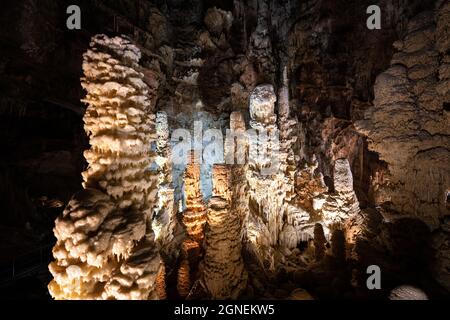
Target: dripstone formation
{"type": "Point", "coordinates": [105, 247]}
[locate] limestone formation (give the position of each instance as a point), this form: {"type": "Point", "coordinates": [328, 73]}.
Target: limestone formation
{"type": "Point", "coordinates": [160, 284]}
{"type": "Point", "coordinates": [263, 176]}
{"type": "Point", "coordinates": [184, 282]}
{"type": "Point", "coordinates": [165, 221]}
{"type": "Point", "coordinates": [407, 293]}
{"type": "Point", "coordinates": [105, 245]}
{"type": "Point", "coordinates": [224, 275]}
{"type": "Point", "coordinates": [343, 203]}
{"type": "Point", "coordinates": [319, 242]}
{"type": "Point", "coordinates": [194, 217]}
{"type": "Point", "coordinates": [408, 124]}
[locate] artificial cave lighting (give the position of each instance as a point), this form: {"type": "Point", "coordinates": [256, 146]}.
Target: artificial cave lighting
{"type": "Point", "coordinates": [248, 150]}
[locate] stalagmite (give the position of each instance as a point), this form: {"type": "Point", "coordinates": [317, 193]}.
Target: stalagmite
{"type": "Point", "coordinates": [165, 221]}
{"type": "Point", "coordinates": [105, 245]}
{"type": "Point", "coordinates": [184, 279]}
{"type": "Point", "coordinates": [319, 242]}
{"type": "Point", "coordinates": [342, 204]}
{"type": "Point", "coordinates": [194, 217]}
{"type": "Point", "coordinates": [263, 176]}
{"type": "Point", "coordinates": [224, 275]}
{"type": "Point", "coordinates": [160, 284]}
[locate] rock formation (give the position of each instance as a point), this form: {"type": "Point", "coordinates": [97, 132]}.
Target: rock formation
{"type": "Point", "coordinates": [263, 176]}
{"type": "Point", "coordinates": [194, 219]}
{"type": "Point", "coordinates": [408, 124]}
{"type": "Point", "coordinates": [165, 222]}
{"type": "Point", "coordinates": [407, 293]}
{"type": "Point", "coordinates": [342, 204]}
{"type": "Point", "coordinates": [105, 247]}
{"type": "Point", "coordinates": [224, 274]}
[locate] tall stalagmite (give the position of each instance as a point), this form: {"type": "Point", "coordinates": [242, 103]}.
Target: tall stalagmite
{"type": "Point", "coordinates": [194, 219]}
{"type": "Point", "coordinates": [105, 245]}
{"type": "Point", "coordinates": [224, 274]}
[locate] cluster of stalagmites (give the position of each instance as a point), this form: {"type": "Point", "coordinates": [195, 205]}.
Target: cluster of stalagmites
{"type": "Point", "coordinates": [285, 201]}
{"type": "Point", "coordinates": [105, 245]}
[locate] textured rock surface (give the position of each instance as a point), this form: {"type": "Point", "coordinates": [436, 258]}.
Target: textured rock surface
{"type": "Point", "coordinates": [407, 293]}
{"type": "Point", "coordinates": [105, 245]}
{"type": "Point", "coordinates": [408, 124]}
{"type": "Point", "coordinates": [224, 273]}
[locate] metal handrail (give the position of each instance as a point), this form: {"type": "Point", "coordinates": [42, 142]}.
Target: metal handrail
{"type": "Point", "coordinates": [19, 272]}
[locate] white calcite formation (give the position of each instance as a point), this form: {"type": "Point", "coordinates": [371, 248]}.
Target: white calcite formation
{"type": "Point", "coordinates": [408, 126]}
{"type": "Point", "coordinates": [164, 221]}
{"type": "Point", "coordinates": [105, 245]}
{"type": "Point", "coordinates": [342, 204]}
{"type": "Point", "coordinates": [275, 220]}
{"type": "Point", "coordinates": [224, 275]}
{"type": "Point", "coordinates": [295, 218]}
{"type": "Point", "coordinates": [236, 150]}
{"type": "Point", "coordinates": [264, 177]}
{"type": "Point", "coordinates": [407, 293]}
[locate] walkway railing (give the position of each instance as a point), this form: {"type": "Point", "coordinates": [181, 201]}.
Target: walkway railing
{"type": "Point", "coordinates": [26, 264]}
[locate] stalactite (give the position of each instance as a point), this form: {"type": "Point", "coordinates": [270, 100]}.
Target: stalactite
{"type": "Point", "coordinates": [224, 275]}
{"type": "Point", "coordinates": [105, 246]}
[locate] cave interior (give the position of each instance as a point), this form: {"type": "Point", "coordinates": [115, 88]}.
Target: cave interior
{"type": "Point", "coordinates": [116, 178]}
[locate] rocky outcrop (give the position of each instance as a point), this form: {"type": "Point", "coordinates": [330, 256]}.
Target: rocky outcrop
{"type": "Point", "coordinates": [105, 247]}
{"type": "Point", "coordinates": [408, 124]}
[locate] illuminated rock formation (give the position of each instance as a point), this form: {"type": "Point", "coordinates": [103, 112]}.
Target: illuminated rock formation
{"type": "Point", "coordinates": [184, 282]}
{"type": "Point", "coordinates": [165, 221]}
{"type": "Point", "coordinates": [264, 177]}
{"type": "Point", "coordinates": [275, 219]}
{"type": "Point", "coordinates": [342, 204]}
{"type": "Point", "coordinates": [160, 284]}
{"type": "Point", "coordinates": [408, 124]}
{"type": "Point", "coordinates": [194, 217]}
{"type": "Point", "coordinates": [224, 275]}
{"type": "Point", "coordinates": [105, 245]}
{"type": "Point", "coordinates": [407, 293]}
